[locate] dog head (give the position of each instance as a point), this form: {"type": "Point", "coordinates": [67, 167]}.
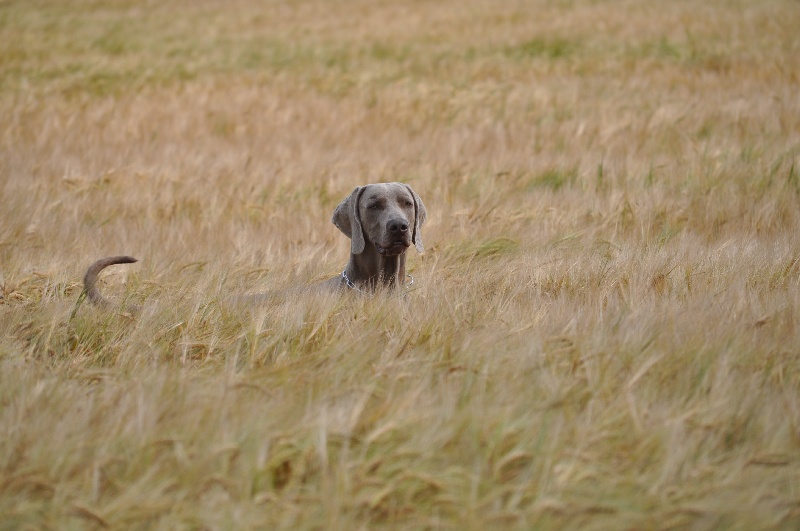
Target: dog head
{"type": "Point", "coordinates": [387, 215]}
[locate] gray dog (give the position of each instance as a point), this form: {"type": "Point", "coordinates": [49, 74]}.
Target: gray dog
{"type": "Point", "coordinates": [382, 221]}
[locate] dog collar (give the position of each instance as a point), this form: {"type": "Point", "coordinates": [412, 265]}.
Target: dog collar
{"type": "Point", "coordinates": [351, 284]}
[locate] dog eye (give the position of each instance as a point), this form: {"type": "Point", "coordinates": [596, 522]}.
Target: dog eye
{"type": "Point", "coordinates": [407, 203]}
{"type": "Point", "coordinates": [373, 206]}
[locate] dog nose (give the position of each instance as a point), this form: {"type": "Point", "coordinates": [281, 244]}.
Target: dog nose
{"type": "Point", "coordinates": [398, 226]}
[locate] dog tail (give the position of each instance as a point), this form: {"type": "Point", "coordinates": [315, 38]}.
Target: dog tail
{"type": "Point", "coordinates": [90, 279]}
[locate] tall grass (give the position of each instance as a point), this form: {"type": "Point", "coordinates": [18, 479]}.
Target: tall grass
{"type": "Point", "coordinates": [604, 327]}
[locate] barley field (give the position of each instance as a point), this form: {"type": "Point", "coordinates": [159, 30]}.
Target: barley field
{"type": "Point", "coordinates": [603, 331]}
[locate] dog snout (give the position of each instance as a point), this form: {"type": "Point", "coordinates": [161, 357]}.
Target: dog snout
{"type": "Point", "coordinates": [398, 227]}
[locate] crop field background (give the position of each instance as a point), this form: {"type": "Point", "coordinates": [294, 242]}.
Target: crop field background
{"type": "Point", "coordinates": [603, 332]}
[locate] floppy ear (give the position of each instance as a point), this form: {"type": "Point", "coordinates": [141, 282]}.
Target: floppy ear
{"type": "Point", "coordinates": [420, 214]}
{"type": "Point", "coordinates": [347, 219]}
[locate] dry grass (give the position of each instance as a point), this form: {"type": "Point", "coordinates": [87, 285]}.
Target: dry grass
{"type": "Point", "coordinates": [605, 329]}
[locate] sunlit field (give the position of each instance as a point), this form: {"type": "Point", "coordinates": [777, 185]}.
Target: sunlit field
{"type": "Point", "coordinates": [602, 332]}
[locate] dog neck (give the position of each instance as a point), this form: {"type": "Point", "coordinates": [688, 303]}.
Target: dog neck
{"type": "Point", "coordinates": [371, 270]}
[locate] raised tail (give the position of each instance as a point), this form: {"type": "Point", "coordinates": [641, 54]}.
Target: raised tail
{"type": "Point", "coordinates": [90, 279]}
